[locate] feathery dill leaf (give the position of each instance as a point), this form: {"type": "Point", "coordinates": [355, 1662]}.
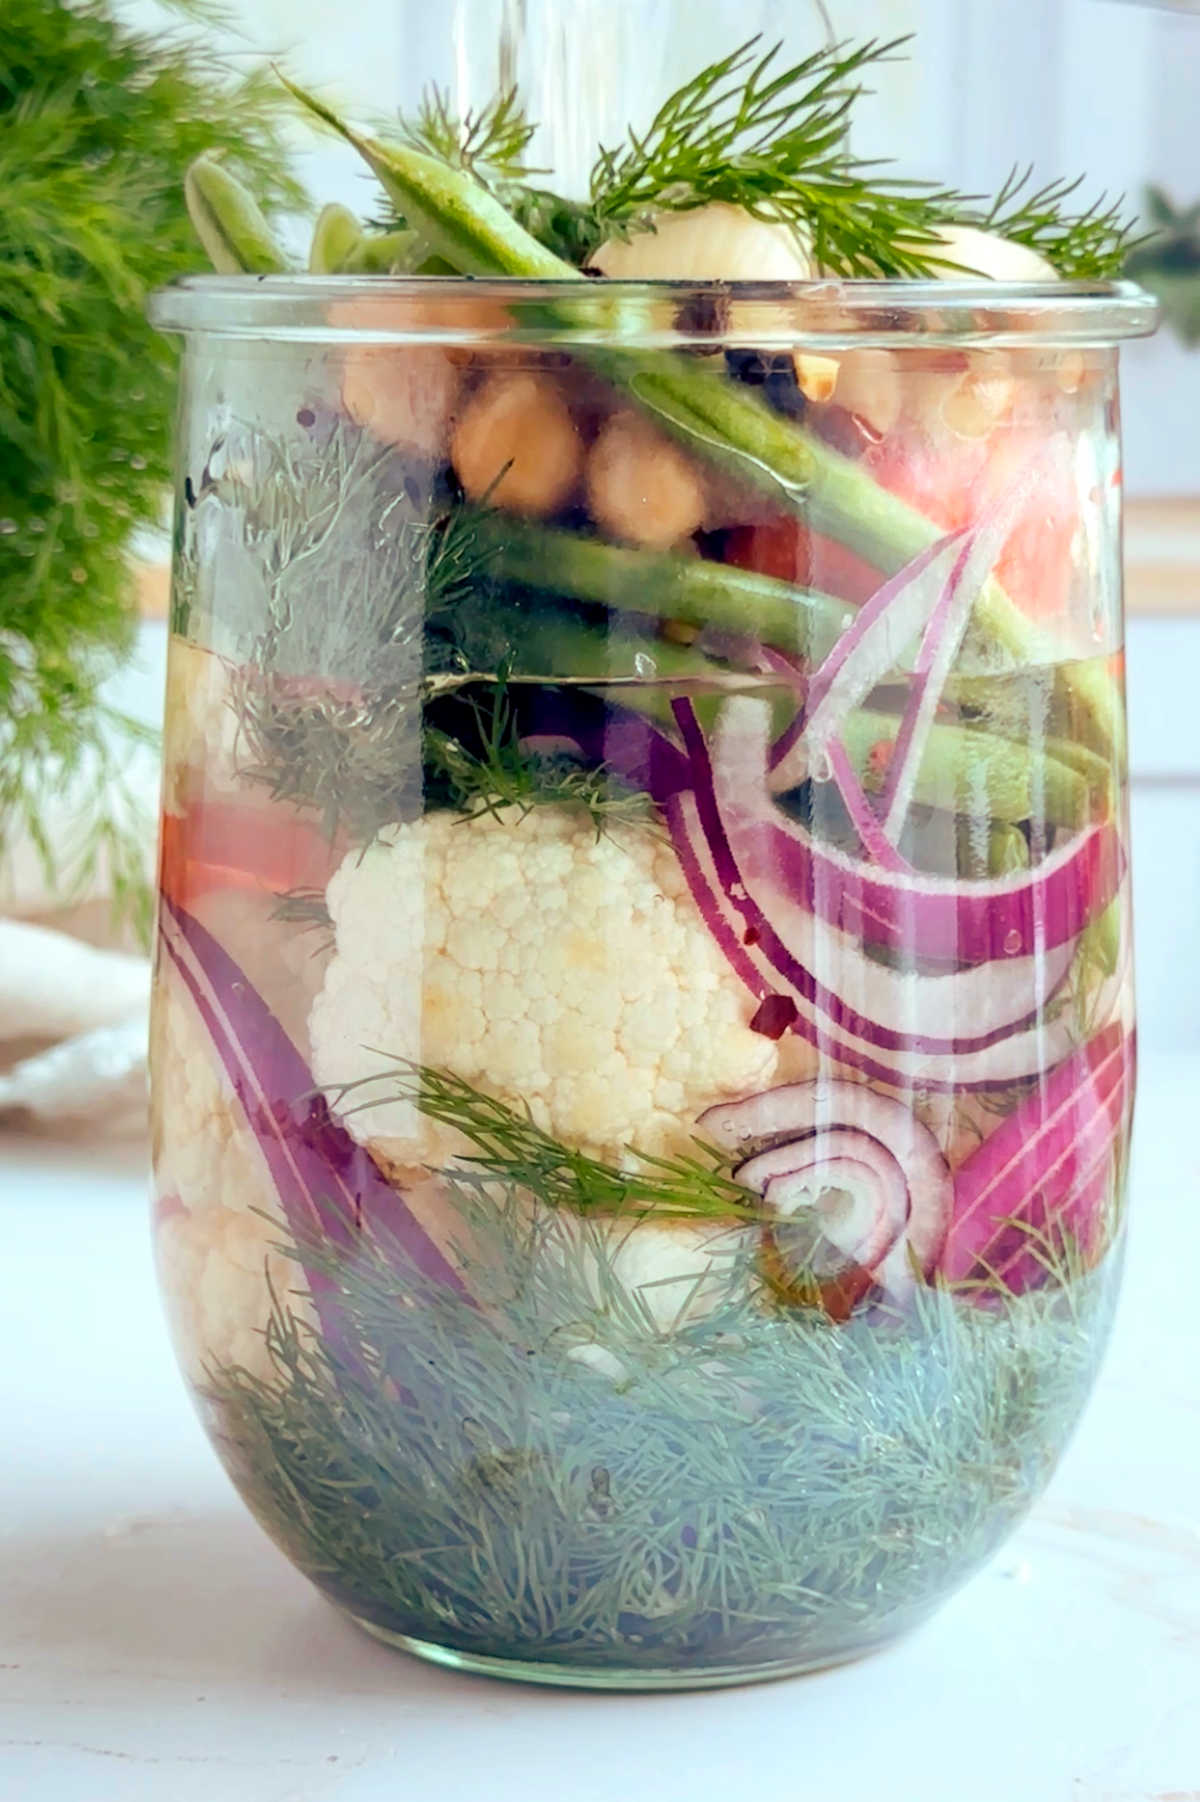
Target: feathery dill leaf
{"type": "Point", "coordinates": [97, 125]}
{"type": "Point", "coordinates": [773, 140]}
{"type": "Point", "coordinates": [1089, 245]}
{"type": "Point", "coordinates": [499, 774]}
{"type": "Point", "coordinates": [538, 1469]}
{"type": "Point", "coordinates": [348, 574]}
{"type": "Point", "coordinates": [511, 1148]}
{"type": "Point", "coordinates": [490, 144]}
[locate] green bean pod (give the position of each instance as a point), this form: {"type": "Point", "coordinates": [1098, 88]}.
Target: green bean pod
{"type": "Point", "coordinates": [962, 770]}
{"type": "Point", "coordinates": [965, 771]}
{"type": "Point", "coordinates": [229, 222]}
{"type": "Point", "coordinates": [801, 621]}
{"type": "Point", "coordinates": [336, 238]}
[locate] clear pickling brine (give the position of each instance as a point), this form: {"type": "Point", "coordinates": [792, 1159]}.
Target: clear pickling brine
{"type": "Point", "coordinates": [643, 1035]}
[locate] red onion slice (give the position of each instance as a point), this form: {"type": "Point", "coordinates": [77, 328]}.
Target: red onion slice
{"type": "Point", "coordinates": [876, 640]}
{"type": "Point", "coordinates": [806, 1175]}
{"type": "Point", "coordinates": [833, 1135]}
{"type": "Point", "coordinates": [746, 938]}
{"type": "Point", "coordinates": [1046, 1165]}
{"type": "Point", "coordinates": [875, 842]}
{"type": "Point", "coordinates": [928, 917]}
{"type": "Point", "coordinates": [977, 553]}
{"type": "Point", "coordinates": [866, 1000]}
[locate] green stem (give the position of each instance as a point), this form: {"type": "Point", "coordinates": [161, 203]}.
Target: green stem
{"type": "Point", "coordinates": [963, 770]}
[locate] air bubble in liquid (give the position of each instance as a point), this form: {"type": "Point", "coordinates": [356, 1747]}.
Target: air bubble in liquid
{"type": "Point", "coordinates": [1012, 942]}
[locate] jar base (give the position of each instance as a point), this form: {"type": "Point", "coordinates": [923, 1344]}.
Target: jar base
{"type": "Point", "coordinates": [566, 1676]}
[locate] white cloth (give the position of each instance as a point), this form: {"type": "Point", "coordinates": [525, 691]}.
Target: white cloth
{"type": "Point", "coordinates": [92, 1006]}
{"type": "Point", "coordinates": [73, 1017]}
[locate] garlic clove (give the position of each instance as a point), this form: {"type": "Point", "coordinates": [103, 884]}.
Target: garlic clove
{"type": "Point", "coordinates": [712, 243]}
{"type": "Point", "coordinates": [986, 256]}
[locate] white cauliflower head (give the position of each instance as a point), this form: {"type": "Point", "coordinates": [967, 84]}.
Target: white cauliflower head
{"type": "Point", "coordinates": [559, 971]}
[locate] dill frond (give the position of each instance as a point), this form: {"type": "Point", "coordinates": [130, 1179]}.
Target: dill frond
{"type": "Point", "coordinates": [351, 587]}
{"type": "Point", "coordinates": [1088, 245]}
{"type": "Point", "coordinates": [97, 125]}
{"type": "Point", "coordinates": [510, 1148]}
{"type": "Point", "coordinates": [532, 1470]}
{"type": "Point", "coordinates": [498, 774]}
{"type": "Point", "coordinates": [490, 144]}
{"type": "Point", "coordinates": [773, 140]}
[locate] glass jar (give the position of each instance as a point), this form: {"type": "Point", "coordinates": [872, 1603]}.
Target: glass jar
{"type": "Point", "coordinates": [643, 1036]}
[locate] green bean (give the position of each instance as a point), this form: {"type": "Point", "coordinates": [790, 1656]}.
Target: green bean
{"type": "Point", "coordinates": [456, 216]}
{"type": "Point", "coordinates": [393, 253]}
{"type": "Point", "coordinates": [335, 240]}
{"type": "Point", "coordinates": [229, 222]}
{"type": "Point", "coordinates": [1008, 849]}
{"type": "Point", "coordinates": [998, 848]}
{"type": "Point", "coordinates": [966, 771]}
{"type": "Point", "coordinates": [722, 422]}
{"type": "Point", "coordinates": [963, 770]}
{"type": "Point", "coordinates": [797, 620]}
{"type": "Point", "coordinates": [1097, 772]}
{"type": "Point", "coordinates": [1103, 938]}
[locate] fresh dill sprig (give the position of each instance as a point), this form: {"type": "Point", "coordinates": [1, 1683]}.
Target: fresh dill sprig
{"type": "Point", "coordinates": [532, 1469]}
{"type": "Point", "coordinates": [350, 587]}
{"type": "Point", "coordinates": [489, 144]}
{"type": "Point", "coordinates": [774, 141]}
{"type": "Point", "coordinates": [511, 1148]}
{"type": "Point", "coordinates": [501, 775]}
{"type": "Point", "coordinates": [1090, 245]}
{"type": "Point", "coordinates": [98, 122]}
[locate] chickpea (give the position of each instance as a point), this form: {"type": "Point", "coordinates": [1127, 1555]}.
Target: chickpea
{"type": "Point", "coordinates": [641, 487]}
{"type": "Point", "coordinates": [402, 393]}
{"type": "Point", "coordinates": [521, 421]}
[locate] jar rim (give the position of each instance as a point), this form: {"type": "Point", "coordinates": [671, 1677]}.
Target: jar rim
{"type": "Point", "coordinates": [824, 314]}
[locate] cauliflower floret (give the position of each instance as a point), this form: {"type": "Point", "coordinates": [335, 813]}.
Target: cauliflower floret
{"type": "Point", "coordinates": [216, 1253]}
{"type": "Point", "coordinates": [200, 739]}
{"type": "Point", "coordinates": [215, 1265]}
{"type": "Point", "coordinates": [560, 971]}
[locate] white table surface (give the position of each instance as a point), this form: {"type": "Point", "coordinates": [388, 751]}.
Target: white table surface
{"type": "Point", "coordinates": [154, 1645]}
